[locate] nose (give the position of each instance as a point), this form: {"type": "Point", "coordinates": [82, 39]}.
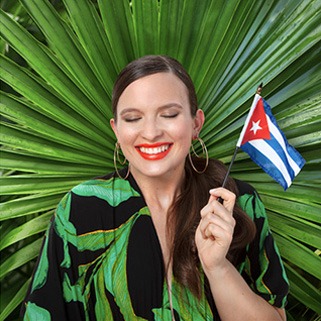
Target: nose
{"type": "Point", "coordinates": [151, 130]}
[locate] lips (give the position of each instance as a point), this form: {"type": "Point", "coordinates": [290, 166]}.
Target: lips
{"type": "Point", "coordinates": [154, 151]}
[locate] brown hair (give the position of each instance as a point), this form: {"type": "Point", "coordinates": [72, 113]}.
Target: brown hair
{"type": "Point", "coordinates": [184, 214]}
{"type": "Point", "coordinates": [185, 217]}
{"type": "Point", "coordinates": [149, 65]}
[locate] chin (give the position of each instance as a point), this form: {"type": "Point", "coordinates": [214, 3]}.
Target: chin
{"type": "Point", "coordinates": [159, 171]}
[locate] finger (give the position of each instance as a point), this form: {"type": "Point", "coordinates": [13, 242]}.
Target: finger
{"type": "Point", "coordinates": [225, 222]}
{"type": "Point", "coordinates": [209, 208]}
{"type": "Point", "coordinates": [227, 196]}
{"type": "Point", "coordinates": [215, 220]}
{"type": "Point", "coordinates": [217, 233]}
{"type": "Point", "coordinates": [212, 198]}
{"type": "Point", "coordinates": [214, 207]}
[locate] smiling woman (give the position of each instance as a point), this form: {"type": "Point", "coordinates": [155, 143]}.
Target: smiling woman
{"type": "Point", "coordinates": [58, 63]}
{"type": "Point", "coordinates": [158, 123]}
{"type": "Point", "coordinates": [157, 244]}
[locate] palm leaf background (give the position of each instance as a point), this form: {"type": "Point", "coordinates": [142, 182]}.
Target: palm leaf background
{"type": "Point", "coordinates": [58, 65]}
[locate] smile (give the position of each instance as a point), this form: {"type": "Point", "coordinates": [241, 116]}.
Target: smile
{"type": "Point", "coordinates": [155, 151]}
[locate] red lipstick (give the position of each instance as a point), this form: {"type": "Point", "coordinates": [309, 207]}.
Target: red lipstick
{"type": "Point", "coordinates": [155, 151]}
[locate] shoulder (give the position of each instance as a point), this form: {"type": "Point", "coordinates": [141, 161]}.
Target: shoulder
{"type": "Point", "coordinates": [250, 201]}
{"type": "Point", "coordinates": [244, 188]}
{"type": "Point", "coordinates": [112, 190]}
{"type": "Point", "coordinates": [96, 204]}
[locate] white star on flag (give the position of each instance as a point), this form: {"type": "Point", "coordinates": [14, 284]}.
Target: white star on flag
{"type": "Point", "coordinates": [256, 126]}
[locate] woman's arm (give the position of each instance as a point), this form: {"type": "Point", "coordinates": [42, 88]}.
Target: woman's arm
{"type": "Point", "coordinates": [236, 301]}
{"type": "Point", "coordinates": [233, 297]}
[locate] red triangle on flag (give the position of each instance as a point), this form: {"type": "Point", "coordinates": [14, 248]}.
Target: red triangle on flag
{"type": "Point", "coordinates": [257, 127]}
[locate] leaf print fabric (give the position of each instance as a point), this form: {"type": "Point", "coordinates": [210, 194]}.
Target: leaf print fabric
{"type": "Point", "coordinates": [101, 260]}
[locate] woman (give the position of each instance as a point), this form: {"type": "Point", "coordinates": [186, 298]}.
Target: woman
{"type": "Point", "coordinates": [159, 239]}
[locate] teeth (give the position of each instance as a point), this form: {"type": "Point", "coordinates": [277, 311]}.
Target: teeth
{"type": "Point", "coordinates": [155, 150]}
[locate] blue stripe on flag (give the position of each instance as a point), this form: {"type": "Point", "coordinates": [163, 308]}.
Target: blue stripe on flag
{"type": "Point", "coordinates": [294, 154]}
{"type": "Point", "coordinates": [265, 163]}
{"type": "Point", "coordinates": [274, 143]}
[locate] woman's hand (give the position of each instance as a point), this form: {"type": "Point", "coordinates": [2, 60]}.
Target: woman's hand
{"type": "Point", "coordinates": [213, 238]}
{"type": "Point", "coordinates": [214, 234]}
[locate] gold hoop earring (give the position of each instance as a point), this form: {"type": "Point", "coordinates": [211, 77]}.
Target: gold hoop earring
{"type": "Point", "coordinates": [204, 151]}
{"type": "Point", "coordinates": [116, 157]}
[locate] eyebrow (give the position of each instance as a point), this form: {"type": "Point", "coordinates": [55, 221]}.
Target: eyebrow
{"type": "Point", "coordinates": [163, 107]}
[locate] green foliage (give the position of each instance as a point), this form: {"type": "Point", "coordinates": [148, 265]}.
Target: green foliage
{"type": "Point", "coordinates": [58, 64]}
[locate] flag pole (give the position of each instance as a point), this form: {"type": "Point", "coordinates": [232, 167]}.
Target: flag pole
{"type": "Point", "coordinates": [258, 91]}
{"type": "Point", "coordinates": [230, 166]}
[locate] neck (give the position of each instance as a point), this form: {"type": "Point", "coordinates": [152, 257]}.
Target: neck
{"type": "Point", "coordinates": [160, 192]}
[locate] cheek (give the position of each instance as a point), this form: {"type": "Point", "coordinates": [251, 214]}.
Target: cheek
{"type": "Point", "coordinates": [125, 136]}
{"type": "Point", "coordinates": [183, 136]}
{"type": "Point", "coordinates": [183, 131]}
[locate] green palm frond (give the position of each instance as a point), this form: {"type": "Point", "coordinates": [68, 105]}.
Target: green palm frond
{"type": "Point", "coordinates": [56, 101]}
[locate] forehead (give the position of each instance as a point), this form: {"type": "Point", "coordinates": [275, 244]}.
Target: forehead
{"type": "Point", "coordinates": [156, 89]}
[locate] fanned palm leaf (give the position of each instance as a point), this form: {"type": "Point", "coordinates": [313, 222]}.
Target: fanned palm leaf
{"type": "Point", "coordinates": [57, 106]}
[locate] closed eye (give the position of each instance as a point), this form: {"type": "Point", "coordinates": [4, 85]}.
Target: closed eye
{"type": "Point", "coordinates": [170, 115]}
{"type": "Point", "coordinates": [132, 119]}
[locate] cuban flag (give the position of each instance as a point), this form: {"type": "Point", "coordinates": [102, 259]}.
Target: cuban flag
{"type": "Point", "coordinates": [267, 146]}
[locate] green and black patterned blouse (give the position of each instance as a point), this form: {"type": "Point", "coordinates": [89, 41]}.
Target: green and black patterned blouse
{"type": "Point", "coordinates": [101, 260]}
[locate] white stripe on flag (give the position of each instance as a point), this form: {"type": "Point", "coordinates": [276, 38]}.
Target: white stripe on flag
{"type": "Point", "coordinates": [276, 133]}
{"type": "Point", "coordinates": [273, 156]}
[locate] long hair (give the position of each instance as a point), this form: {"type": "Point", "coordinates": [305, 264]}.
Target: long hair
{"type": "Point", "coordinates": [184, 214]}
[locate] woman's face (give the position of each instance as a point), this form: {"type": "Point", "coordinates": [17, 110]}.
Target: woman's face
{"type": "Point", "coordinates": [154, 125]}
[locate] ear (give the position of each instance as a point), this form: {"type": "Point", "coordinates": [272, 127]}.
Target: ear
{"type": "Point", "coordinates": [198, 121]}
{"type": "Point", "coordinates": [113, 126]}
